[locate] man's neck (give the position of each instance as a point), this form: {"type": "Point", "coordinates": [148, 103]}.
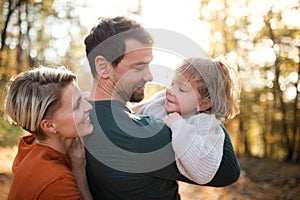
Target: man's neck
{"type": "Point", "coordinates": [98, 94]}
{"type": "Point", "coordinates": [104, 91]}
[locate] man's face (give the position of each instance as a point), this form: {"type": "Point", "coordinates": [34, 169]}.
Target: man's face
{"type": "Point", "coordinates": [133, 72]}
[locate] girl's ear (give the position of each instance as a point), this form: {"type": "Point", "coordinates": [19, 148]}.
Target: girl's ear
{"type": "Point", "coordinates": [102, 67]}
{"type": "Point", "coordinates": [47, 127]}
{"type": "Point", "coordinates": [204, 105]}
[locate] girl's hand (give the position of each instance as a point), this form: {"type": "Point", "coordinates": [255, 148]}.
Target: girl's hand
{"type": "Point", "coordinates": [171, 118]}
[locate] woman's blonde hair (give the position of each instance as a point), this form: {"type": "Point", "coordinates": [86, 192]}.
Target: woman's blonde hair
{"type": "Point", "coordinates": [215, 81]}
{"type": "Point", "coordinates": [35, 95]}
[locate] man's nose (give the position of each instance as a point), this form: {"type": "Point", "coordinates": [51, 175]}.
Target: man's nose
{"type": "Point", "coordinates": [147, 75]}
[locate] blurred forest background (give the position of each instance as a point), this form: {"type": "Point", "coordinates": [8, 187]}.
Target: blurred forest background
{"type": "Point", "coordinates": [261, 38]}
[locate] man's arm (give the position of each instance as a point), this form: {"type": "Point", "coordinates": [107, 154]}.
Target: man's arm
{"type": "Point", "coordinates": [228, 172]}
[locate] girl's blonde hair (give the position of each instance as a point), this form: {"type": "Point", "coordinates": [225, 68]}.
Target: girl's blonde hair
{"type": "Point", "coordinates": [35, 95]}
{"type": "Point", "coordinates": [215, 81]}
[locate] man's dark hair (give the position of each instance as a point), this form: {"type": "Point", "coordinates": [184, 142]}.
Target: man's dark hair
{"type": "Point", "coordinates": [100, 41]}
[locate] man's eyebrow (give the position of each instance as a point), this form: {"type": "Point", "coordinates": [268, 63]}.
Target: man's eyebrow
{"type": "Point", "coordinates": [140, 63]}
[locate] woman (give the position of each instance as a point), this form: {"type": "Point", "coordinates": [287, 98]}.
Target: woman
{"type": "Point", "coordinates": [50, 163]}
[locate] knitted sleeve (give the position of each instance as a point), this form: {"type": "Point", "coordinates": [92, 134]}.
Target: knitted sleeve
{"type": "Point", "coordinates": [198, 146]}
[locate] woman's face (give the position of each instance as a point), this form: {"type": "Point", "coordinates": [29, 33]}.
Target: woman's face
{"type": "Point", "coordinates": [182, 97]}
{"type": "Point", "coordinates": [72, 118]}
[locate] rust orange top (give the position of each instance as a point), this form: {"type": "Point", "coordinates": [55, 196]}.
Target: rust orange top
{"type": "Point", "coordinates": [41, 172]}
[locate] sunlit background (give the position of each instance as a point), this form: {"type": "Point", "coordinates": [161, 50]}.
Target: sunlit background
{"type": "Point", "coordinates": [258, 38]}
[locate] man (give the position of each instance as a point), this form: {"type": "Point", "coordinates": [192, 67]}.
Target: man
{"type": "Point", "coordinates": [130, 156]}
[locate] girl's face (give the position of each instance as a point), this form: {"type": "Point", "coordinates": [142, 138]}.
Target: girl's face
{"type": "Point", "coordinates": [72, 118]}
{"type": "Point", "coordinates": [182, 97]}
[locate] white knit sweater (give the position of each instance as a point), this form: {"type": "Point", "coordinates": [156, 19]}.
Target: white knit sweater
{"type": "Point", "coordinates": [197, 141]}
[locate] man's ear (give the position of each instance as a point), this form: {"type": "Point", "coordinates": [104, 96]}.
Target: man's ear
{"type": "Point", "coordinates": [204, 105]}
{"type": "Point", "coordinates": [102, 67]}
{"type": "Point", "coordinates": [47, 127]}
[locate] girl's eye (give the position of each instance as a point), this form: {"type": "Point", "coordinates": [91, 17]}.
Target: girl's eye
{"type": "Point", "coordinates": [181, 90]}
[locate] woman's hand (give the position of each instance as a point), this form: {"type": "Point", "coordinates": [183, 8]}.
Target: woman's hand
{"type": "Point", "coordinates": [171, 118]}
{"type": "Point", "coordinates": [77, 155]}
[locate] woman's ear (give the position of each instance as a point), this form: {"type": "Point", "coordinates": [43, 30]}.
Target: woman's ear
{"type": "Point", "coordinates": [48, 127]}
{"type": "Point", "coordinates": [102, 67]}
{"type": "Point", "coordinates": [204, 105]}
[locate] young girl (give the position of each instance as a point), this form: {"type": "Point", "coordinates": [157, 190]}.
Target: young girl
{"type": "Point", "coordinates": [203, 94]}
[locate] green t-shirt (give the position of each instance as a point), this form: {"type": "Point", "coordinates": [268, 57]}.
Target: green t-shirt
{"type": "Point", "coordinates": [130, 156]}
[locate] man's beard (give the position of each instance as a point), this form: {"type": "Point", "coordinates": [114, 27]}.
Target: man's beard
{"type": "Point", "coordinates": [136, 97]}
